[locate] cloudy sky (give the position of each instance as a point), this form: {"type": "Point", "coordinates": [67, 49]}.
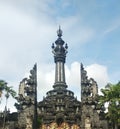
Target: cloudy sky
{"type": "Point", "coordinates": [28, 28]}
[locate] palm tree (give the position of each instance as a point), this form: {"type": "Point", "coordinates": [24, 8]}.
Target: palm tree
{"type": "Point", "coordinates": [111, 95]}
{"type": "Point", "coordinates": [8, 92]}
{"type": "Point", "coordinates": [2, 87]}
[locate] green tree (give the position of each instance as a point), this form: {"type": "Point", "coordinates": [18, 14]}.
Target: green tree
{"type": "Point", "coordinates": [2, 87]}
{"type": "Point", "coordinates": [8, 91]}
{"type": "Point", "coordinates": [111, 96]}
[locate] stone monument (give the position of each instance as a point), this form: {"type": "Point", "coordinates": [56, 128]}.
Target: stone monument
{"type": "Point", "coordinates": [59, 109]}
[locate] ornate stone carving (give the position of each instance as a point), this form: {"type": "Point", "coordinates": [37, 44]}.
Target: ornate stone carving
{"type": "Point", "coordinates": [91, 110]}
{"type": "Point", "coordinates": [27, 101]}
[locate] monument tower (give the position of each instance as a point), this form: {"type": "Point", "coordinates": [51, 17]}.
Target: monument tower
{"type": "Point", "coordinates": [59, 52]}
{"type": "Point", "coordinates": [60, 108]}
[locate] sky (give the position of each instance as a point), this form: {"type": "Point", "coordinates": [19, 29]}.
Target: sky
{"type": "Point", "coordinates": [91, 28]}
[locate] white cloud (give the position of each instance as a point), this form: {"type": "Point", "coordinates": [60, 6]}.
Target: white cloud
{"type": "Point", "coordinates": [22, 40]}
{"type": "Point", "coordinates": [45, 80]}
{"type": "Point", "coordinates": [99, 73]}
{"type": "Point", "coordinates": [73, 78]}
{"type": "Point", "coordinates": [96, 71]}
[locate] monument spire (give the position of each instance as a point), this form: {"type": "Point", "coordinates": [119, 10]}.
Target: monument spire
{"type": "Point", "coordinates": [59, 32]}
{"type": "Point", "coordinates": [59, 50]}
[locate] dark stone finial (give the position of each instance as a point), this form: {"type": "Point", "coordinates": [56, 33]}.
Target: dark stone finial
{"type": "Point", "coordinates": [82, 66]}
{"type": "Point", "coordinates": [66, 46]}
{"type": "Point", "coordinates": [59, 32]}
{"type": "Point", "coordinates": [53, 46]}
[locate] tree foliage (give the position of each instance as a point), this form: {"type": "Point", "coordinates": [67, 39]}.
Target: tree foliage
{"type": "Point", "coordinates": [2, 87]}
{"type": "Point", "coordinates": [7, 89]}
{"type": "Point", "coordinates": [111, 96]}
